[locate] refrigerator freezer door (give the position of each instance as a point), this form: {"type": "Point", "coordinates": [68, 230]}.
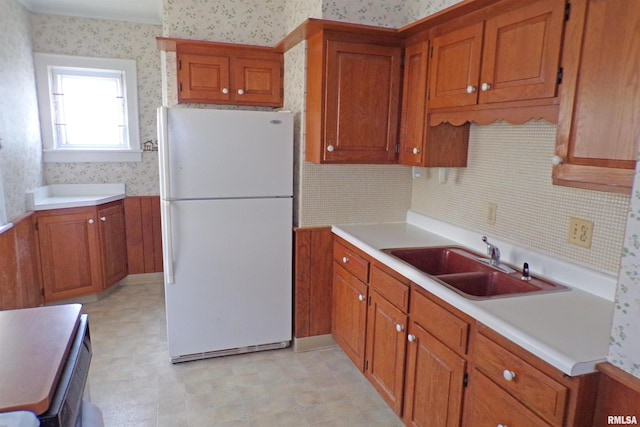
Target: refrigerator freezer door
{"type": "Point", "coordinates": [226, 154]}
{"type": "Point", "coordinates": [232, 267]}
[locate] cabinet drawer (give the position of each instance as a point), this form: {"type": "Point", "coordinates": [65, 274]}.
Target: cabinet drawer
{"type": "Point", "coordinates": [351, 261]}
{"type": "Point", "coordinates": [442, 324]}
{"type": "Point", "coordinates": [396, 292]}
{"type": "Point", "coordinates": [489, 405]}
{"type": "Point", "coordinates": [533, 388]}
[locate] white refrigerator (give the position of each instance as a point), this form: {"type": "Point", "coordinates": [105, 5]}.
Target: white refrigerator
{"type": "Point", "coordinates": [226, 185]}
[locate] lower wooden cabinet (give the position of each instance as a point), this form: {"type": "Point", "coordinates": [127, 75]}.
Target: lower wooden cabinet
{"type": "Point", "coordinates": [490, 406]}
{"type": "Point", "coordinates": [349, 315]}
{"type": "Point", "coordinates": [386, 347]}
{"type": "Point", "coordinates": [435, 379]}
{"type": "Point", "coordinates": [512, 387]}
{"type": "Point", "coordinates": [434, 365]}
{"type": "Point", "coordinates": [82, 250]}
{"type": "Point", "coordinates": [113, 243]}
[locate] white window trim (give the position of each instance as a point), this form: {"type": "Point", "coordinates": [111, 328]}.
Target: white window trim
{"type": "Point", "coordinates": [50, 154]}
{"type": "Point", "coordinates": [4, 221]}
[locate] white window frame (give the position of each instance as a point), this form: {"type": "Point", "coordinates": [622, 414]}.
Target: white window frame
{"type": "Point", "coordinates": [4, 221]}
{"type": "Point", "coordinates": [44, 64]}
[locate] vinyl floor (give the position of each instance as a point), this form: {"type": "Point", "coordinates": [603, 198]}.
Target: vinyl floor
{"type": "Point", "coordinates": [134, 384]}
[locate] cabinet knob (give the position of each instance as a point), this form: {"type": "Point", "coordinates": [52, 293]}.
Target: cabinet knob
{"type": "Point", "coordinates": [485, 87]}
{"type": "Point", "coordinates": [240, 92]}
{"type": "Point", "coordinates": [90, 221]}
{"type": "Point", "coordinates": [345, 259]}
{"type": "Point", "coordinates": [557, 160]}
{"type": "Point", "coordinates": [471, 89]}
{"type": "Point", "coordinates": [399, 327]}
{"type": "Point", "coordinates": [225, 90]}
{"type": "Point", "coordinates": [415, 150]}
{"type": "Point", "coordinates": [103, 218]}
{"type": "Point", "coordinates": [508, 375]}
{"type": "Point", "coordinates": [330, 148]}
{"type": "Point", "coordinates": [501, 425]}
{"type": "Point", "coordinates": [360, 297]}
{"type": "Point", "coordinates": [411, 338]}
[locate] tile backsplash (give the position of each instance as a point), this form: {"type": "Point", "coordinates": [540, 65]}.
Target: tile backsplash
{"type": "Point", "coordinates": [510, 166]}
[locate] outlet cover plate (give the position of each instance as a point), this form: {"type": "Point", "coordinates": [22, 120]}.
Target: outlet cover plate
{"type": "Point", "coordinates": [580, 232]}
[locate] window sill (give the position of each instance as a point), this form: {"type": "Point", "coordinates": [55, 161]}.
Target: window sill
{"type": "Point", "coordinates": [6, 227]}
{"type": "Point", "coordinates": [94, 156]}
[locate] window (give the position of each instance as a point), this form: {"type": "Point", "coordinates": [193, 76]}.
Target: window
{"type": "Point", "coordinates": [88, 108]}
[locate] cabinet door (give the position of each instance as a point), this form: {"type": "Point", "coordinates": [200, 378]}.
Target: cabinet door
{"type": "Point", "coordinates": [414, 104]}
{"type": "Point", "coordinates": [349, 314]}
{"type": "Point", "coordinates": [362, 102]}
{"type": "Point", "coordinates": [70, 255]}
{"type": "Point", "coordinates": [203, 78]}
{"type": "Point", "coordinates": [599, 119]}
{"type": "Point", "coordinates": [386, 348]}
{"type": "Point", "coordinates": [521, 53]}
{"type": "Point", "coordinates": [434, 382]}
{"type": "Point", "coordinates": [455, 67]}
{"type": "Point", "coordinates": [488, 406]}
{"type": "Point", "coordinates": [114, 245]}
{"type": "Point", "coordinates": [257, 81]}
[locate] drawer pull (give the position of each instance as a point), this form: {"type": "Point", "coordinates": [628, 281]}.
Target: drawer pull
{"type": "Point", "coordinates": [509, 376]}
{"type": "Point", "coordinates": [360, 297]}
{"type": "Point", "coordinates": [345, 259]}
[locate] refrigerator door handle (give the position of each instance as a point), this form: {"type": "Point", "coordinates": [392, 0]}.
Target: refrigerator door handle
{"type": "Point", "coordinates": [163, 152]}
{"type": "Point", "coordinates": [167, 243]}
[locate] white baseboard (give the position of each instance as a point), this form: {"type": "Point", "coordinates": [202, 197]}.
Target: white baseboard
{"type": "Point", "coordinates": [317, 342]}
{"type": "Point", "coordinates": [143, 279]}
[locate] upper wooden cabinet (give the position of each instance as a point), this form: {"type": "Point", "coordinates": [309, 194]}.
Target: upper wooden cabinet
{"type": "Point", "coordinates": [599, 118]}
{"type": "Point", "coordinates": [215, 73]}
{"type": "Point", "coordinates": [511, 55]}
{"type": "Point", "coordinates": [443, 145]}
{"type": "Point", "coordinates": [353, 98]}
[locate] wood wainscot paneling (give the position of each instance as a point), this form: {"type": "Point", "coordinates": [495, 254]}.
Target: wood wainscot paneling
{"type": "Point", "coordinates": [144, 234]}
{"type": "Point", "coordinates": [312, 281]}
{"type": "Point", "coordinates": [20, 279]}
{"type": "Point", "coordinates": [618, 397]}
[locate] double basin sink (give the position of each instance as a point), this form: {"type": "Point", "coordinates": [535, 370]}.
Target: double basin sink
{"type": "Point", "coordinates": [471, 275]}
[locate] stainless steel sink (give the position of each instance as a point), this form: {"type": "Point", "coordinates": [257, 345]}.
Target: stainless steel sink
{"type": "Point", "coordinates": [465, 273]}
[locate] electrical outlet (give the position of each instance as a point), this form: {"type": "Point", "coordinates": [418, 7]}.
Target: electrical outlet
{"type": "Point", "coordinates": [491, 214]}
{"type": "Point", "coordinates": [580, 232]}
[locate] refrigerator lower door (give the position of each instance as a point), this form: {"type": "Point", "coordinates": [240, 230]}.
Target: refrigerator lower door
{"type": "Point", "coordinates": [231, 262]}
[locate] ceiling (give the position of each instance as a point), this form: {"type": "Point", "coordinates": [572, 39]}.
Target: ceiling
{"type": "Point", "coordinates": [142, 11]}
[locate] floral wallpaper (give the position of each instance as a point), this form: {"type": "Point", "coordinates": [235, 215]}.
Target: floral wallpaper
{"type": "Point", "coordinates": [20, 152]}
{"type": "Point", "coordinates": [258, 22]}
{"type": "Point", "coordinates": [624, 345]}
{"type": "Point", "coordinates": [110, 39]}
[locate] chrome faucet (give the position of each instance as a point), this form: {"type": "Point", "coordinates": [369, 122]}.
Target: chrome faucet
{"type": "Point", "coordinates": [494, 257]}
{"type": "Point", "coordinates": [492, 252]}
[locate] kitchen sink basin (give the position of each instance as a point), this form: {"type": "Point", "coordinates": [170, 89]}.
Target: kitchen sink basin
{"type": "Point", "coordinates": [437, 261]}
{"type": "Point", "coordinates": [468, 273]}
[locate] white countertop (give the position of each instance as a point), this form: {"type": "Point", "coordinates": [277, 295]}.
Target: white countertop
{"type": "Point", "coordinates": [570, 329]}
{"type": "Point", "coordinates": [59, 196]}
